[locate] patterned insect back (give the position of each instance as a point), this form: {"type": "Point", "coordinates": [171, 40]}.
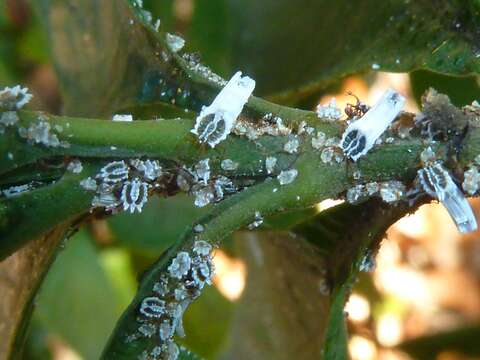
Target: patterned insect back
{"type": "Point", "coordinates": [215, 122]}
{"type": "Point", "coordinates": [114, 172]}
{"type": "Point", "coordinates": [134, 195]}
{"type": "Point", "coordinates": [437, 182]}
{"type": "Point", "coordinates": [124, 184]}
{"type": "Point", "coordinates": [152, 307]}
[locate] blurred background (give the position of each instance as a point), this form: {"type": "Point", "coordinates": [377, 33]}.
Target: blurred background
{"type": "Point", "coordinates": [422, 301]}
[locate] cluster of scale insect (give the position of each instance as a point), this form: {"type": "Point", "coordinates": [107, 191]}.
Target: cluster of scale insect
{"type": "Point", "coordinates": [329, 111]}
{"type": "Point", "coordinates": [389, 191]}
{"type": "Point", "coordinates": [15, 98]}
{"type": "Point", "coordinates": [124, 184]}
{"type": "Point", "coordinates": [42, 133]}
{"type": "Point", "coordinates": [160, 314]}
{"type": "Point", "coordinates": [11, 100]}
{"type": "Point", "coordinates": [330, 149]}
{"type": "Point", "coordinates": [205, 188]}
{"type": "Point", "coordinates": [39, 132]}
{"type": "Point", "coordinates": [268, 125]}
{"type": "Point", "coordinates": [194, 64]}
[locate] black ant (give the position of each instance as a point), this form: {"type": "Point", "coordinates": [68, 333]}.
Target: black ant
{"type": "Point", "coordinates": [356, 110]}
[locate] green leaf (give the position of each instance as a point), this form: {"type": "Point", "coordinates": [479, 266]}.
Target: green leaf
{"type": "Point", "coordinates": [158, 226]}
{"type": "Point", "coordinates": [209, 33]}
{"type": "Point", "coordinates": [33, 213]}
{"type": "Point", "coordinates": [207, 322]}
{"type": "Point", "coordinates": [36, 345]}
{"type": "Point", "coordinates": [294, 48]}
{"type": "Point", "coordinates": [461, 90]}
{"type": "Point", "coordinates": [462, 340]}
{"type": "Point", "coordinates": [163, 10]}
{"type": "Point", "coordinates": [77, 302]}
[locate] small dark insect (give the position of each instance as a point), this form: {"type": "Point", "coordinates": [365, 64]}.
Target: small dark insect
{"type": "Point", "coordinates": [356, 110]}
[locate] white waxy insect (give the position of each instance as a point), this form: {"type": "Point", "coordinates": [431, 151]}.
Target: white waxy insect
{"type": "Point", "coordinates": [216, 121]}
{"type": "Point", "coordinates": [257, 221]}
{"type": "Point", "coordinates": [329, 111]}
{"type": "Point", "coordinates": [175, 42]}
{"type": "Point", "coordinates": [202, 248]}
{"type": "Point", "coordinates": [287, 176]}
{"type": "Point", "coordinates": [180, 265]}
{"type": "Point", "coordinates": [229, 165]}
{"type": "Point", "coordinates": [150, 169]}
{"type": "Point", "coordinates": [134, 195]}
{"type": "Point", "coordinates": [270, 163]}
{"type": "Point", "coordinates": [14, 98]}
{"type": "Point", "coordinates": [437, 182]}
{"type": "Point", "coordinates": [202, 169]}
{"type": "Point", "coordinates": [122, 117]}
{"type": "Point", "coordinates": [152, 307]}
{"type": "Point", "coordinates": [166, 330]}
{"type": "Point", "coordinates": [361, 135]}
{"type": "Point", "coordinates": [114, 172]}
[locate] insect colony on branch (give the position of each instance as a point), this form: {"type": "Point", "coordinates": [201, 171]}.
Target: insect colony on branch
{"type": "Point", "coordinates": [127, 184]}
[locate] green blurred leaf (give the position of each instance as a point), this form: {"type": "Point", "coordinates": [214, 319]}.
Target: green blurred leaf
{"type": "Point", "coordinates": [118, 268]}
{"type": "Point", "coordinates": [26, 216]}
{"type": "Point", "coordinates": [209, 33]}
{"type": "Point", "coordinates": [461, 90]}
{"type": "Point", "coordinates": [297, 47]}
{"type": "Point", "coordinates": [163, 10]}
{"type": "Point", "coordinates": [108, 57]}
{"type": "Point", "coordinates": [158, 226]}
{"type": "Point", "coordinates": [76, 301]}
{"type": "Point", "coordinates": [32, 45]}
{"type": "Point", "coordinates": [282, 313]}
{"type": "Point", "coordinates": [36, 347]}
{"type": "Point", "coordinates": [462, 340]}
{"type": "Point", "coordinates": [287, 220]}
{"type": "Point", "coordinates": [207, 322]}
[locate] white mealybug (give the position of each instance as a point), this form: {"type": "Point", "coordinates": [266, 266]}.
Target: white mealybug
{"type": "Point", "coordinates": [122, 117]}
{"type": "Point", "coordinates": [437, 182]}
{"type": "Point", "coordinates": [202, 248]}
{"type": "Point", "coordinates": [180, 265]}
{"type": "Point", "coordinates": [150, 169]}
{"type": "Point", "coordinates": [14, 98]}
{"type": "Point", "coordinates": [134, 195]}
{"type": "Point", "coordinates": [329, 111]}
{"type": "Point", "coordinates": [287, 176]}
{"type": "Point", "coordinates": [216, 121]}
{"type": "Point", "coordinates": [361, 135]}
{"type": "Point", "coordinates": [270, 163]}
{"type": "Point", "coordinates": [175, 42]}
